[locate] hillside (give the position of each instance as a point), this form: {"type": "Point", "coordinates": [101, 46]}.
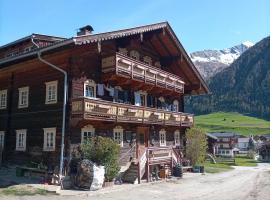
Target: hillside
{"type": "Point", "coordinates": [243, 87]}
{"type": "Point", "coordinates": [232, 122]}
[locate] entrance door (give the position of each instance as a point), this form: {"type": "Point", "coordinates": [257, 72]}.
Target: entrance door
{"type": "Point", "coordinates": [143, 136]}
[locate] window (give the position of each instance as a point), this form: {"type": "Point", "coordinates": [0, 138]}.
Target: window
{"type": "Point", "coordinates": [87, 132]}
{"type": "Point", "coordinates": [23, 97]}
{"type": "Point", "coordinates": [140, 98]}
{"type": "Point", "coordinates": [49, 139]}
{"type": "Point", "coordinates": [2, 139]}
{"type": "Point", "coordinates": [118, 135]}
{"type": "Point", "coordinates": [177, 137]}
{"type": "Point", "coordinates": [21, 140]}
{"type": "Point", "coordinates": [51, 92]}
{"type": "Point", "coordinates": [147, 60]}
{"type": "Point", "coordinates": [162, 137]}
{"type": "Point", "coordinates": [3, 99]}
{"type": "Point", "coordinates": [90, 88]}
{"type": "Point", "coordinates": [176, 105]}
{"type": "Point", "coordinates": [135, 54]}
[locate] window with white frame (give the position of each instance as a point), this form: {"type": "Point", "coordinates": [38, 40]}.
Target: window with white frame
{"type": "Point", "coordinates": [162, 138]}
{"type": "Point", "coordinates": [49, 139]}
{"type": "Point", "coordinates": [90, 88]}
{"type": "Point", "coordinates": [23, 97]}
{"type": "Point", "coordinates": [51, 92]}
{"type": "Point", "coordinates": [118, 135]}
{"type": "Point", "coordinates": [3, 99]}
{"type": "Point", "coordinates": [2, 139]}
{"type": "Point", "coordinates": [177, 137]}
{"type": "Point", "coordinates": [21, 140]}
{"type": "Point", "coordinates": [87, 132]}
{"type": "Point", "coordinates": [135, 54]}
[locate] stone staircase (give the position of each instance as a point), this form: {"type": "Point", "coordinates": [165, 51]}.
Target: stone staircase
{"type": "Point", "coordinates": [131, 174]}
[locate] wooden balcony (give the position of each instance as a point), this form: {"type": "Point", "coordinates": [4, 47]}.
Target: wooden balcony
{"type": "Point", "coordinates": [133, 69]}
{"type": "Point", "coordinates": [95, 109]}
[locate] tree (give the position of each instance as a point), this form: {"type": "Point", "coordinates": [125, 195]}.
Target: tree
{"type": "Point", "coordinates": [103, 151]}
{"type": "Point", "coordinates": [196, 146]}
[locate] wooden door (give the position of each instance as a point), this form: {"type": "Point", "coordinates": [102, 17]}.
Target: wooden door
{"type": "Point", "coordinates": [143, 136]}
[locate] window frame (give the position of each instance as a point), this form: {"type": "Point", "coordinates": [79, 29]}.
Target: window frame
{"type": "Point", "coordinates": [21, 91]}
{"type": "Point", "coordinates": [45, 139]}
{"type": "Point", "coordinates": [119, 139]}
{"type": "Point", "coordinates": [90, 83]}
{"type": "Point", "coordinates": [4, 106]}
{"type": "Point", "coordinates": [162, 143]}
{"type": "Point", "coordinates": [18, 133]}
{"type": "Point", "coordinates": [48, 85]}
{"type": "Point", "coordinates": [177, 132]}
{"type": "Point", "coordinates": [2, 139]}
{"type": "Point", "coordinates": [87, 129]}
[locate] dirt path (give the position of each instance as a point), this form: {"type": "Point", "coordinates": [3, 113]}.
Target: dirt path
{"type": "Point", "coordinates": [243, 183]}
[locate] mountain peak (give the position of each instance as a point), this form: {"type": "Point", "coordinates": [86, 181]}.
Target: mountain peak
{"type": "Point", "coordinates": [210, 62]}
{"type": "Point", "coordinates": [248, 44]}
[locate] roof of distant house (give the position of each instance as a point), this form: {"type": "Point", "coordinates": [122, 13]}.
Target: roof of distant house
{"type": "Point", "coordinates": [224, 134]}
{"type": "Point", "coordinates": [211, 136]}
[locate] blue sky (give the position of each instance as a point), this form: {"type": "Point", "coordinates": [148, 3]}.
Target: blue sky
{"type": "Point", "coordinates": [199, 24]}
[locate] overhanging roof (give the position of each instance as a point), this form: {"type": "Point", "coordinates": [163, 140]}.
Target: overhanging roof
{"type": "Point", "coordinates": [86, 39]}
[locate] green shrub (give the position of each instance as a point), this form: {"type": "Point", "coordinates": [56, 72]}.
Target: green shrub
{"type": "Point", "coordinates": [103, 151]}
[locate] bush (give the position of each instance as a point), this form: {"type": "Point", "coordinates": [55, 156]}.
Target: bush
{"type": "Point", "coordinates": [103, 151]}
{"type": "Point", "coordinates": [196, 146]}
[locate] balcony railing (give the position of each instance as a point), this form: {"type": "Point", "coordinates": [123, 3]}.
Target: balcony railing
{"type": "Point", "coordinates": [96, 109]}
{"type": "Point", "coordinates": [130, 68]}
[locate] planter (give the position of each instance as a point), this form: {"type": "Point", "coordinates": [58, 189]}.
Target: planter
{"type": "Point", "coordinates": [108, 183]}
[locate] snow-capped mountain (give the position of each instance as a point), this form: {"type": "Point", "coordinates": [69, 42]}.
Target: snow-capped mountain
{"type": "Point", "coordinates": [210, 62]}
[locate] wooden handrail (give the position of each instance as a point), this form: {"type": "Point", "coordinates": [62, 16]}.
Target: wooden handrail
{"type": "Point", "coordinates": [150, 67]}
{"type": "Point", "coordinates": [117, 111]}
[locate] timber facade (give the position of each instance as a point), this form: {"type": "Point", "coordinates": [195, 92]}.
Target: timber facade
{"type": "Point", "coordinates": [128, 85]}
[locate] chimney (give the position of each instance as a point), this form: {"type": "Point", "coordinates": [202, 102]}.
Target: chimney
{"type": "Point", "coordinates": [86, 30]}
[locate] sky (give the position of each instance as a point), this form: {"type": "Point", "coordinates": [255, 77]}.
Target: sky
{"type": "Point", "coordinates": [199, 24]}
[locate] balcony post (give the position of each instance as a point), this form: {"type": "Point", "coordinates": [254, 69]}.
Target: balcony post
{"type": "Point", "coordinates": [131, 70]}
{"type": "Point", "coordinates": [116, 117]}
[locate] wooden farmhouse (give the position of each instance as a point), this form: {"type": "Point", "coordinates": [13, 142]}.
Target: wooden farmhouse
{"type": "Point", "coordinates": [127, 84]}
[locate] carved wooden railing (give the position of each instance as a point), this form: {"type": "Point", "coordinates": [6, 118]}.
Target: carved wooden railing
{"type": "Point", "coordinates": [110, 111]}
{"type": "Point", "coordinates": [131, 68]}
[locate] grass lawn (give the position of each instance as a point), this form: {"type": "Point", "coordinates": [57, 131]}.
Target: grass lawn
{"type": "Point", "coordinates": [232, 122]}
{"type": "Point", "coordinates": [240, 161]}
{"type": "Point", "coordinates": [216, 168]}
{"type": "Point", "coordinates": [226, 166]}
{"type": "Point", "coordinates": [24, 190]}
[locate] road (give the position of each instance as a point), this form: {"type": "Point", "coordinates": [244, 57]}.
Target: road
{"type": "Point", "coordinates": [243, 183]}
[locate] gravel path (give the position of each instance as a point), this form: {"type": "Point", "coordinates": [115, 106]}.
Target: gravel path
{"type": "Point", "coordinates": [243, 183]}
